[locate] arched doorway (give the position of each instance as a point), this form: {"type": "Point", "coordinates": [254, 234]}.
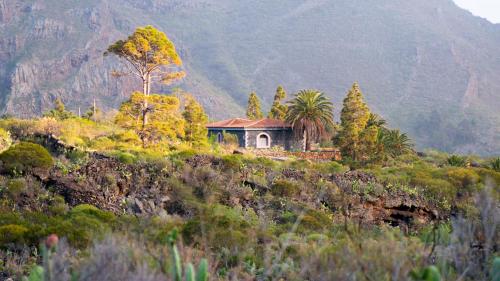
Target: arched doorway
{"type": "Point", "coordinates": [220, 138]}
{"type": "Point", "coordinates": [263, 141]}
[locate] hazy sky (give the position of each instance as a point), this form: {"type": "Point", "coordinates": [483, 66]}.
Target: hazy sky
{"type": "Point", "coordinates": [489, 9]}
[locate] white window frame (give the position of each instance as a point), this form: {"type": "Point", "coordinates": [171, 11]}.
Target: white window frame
{"type": "Point", "coordinates": [268, 143]}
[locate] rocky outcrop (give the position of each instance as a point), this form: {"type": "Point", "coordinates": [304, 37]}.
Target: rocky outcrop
{"type": "Point", "coordinates": [148, 189]}
{"type": "Point", "coordinates": [6, 10]}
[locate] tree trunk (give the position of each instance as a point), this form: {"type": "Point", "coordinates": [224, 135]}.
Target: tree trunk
{"type": "Point", "coordinates": [307, 142]}
{"type": "Point", "coordinates": [149, 84]}
{"type": "Point", "coordinates": [147, 88]}
{"type": "Point", "coordinates": [145, 85]}
{"type": "Point", "coordinates": [145, 112]}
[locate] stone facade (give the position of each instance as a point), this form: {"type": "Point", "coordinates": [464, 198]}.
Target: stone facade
{"type": "Point", "coordinates": [260, 134]}
{"type": "Point", "coordinates": [248, 138]}
{"type": "Point", "coordinates": [277, 137]}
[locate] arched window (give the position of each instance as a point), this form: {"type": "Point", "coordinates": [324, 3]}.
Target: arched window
{"type": "Point", "coordinates": [263, 141]}
{"type": "Point", "coordinates": [220, 138]}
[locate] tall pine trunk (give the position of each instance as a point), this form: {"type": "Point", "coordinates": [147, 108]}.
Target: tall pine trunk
{"type": "Point", "coordinates": [146, 81]}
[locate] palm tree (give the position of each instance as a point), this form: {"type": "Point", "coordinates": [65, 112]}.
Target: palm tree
{"type": "Point", "coordinates": [310, 113]}
{"type": "Point", "coordinates": [376, 120]}
{"type": "Point", "coordinates": [395, 143]}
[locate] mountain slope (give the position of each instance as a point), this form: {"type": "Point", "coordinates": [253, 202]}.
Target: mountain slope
{"type": "Point", "coordinates": [427, 66]}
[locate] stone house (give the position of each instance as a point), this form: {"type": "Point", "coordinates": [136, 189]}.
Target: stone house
{"type": "Point", "coordinates": [261, 134]}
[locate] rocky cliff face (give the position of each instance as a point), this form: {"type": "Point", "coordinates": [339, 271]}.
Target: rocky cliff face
{"type": "Point", "coordinates": [427, 66]}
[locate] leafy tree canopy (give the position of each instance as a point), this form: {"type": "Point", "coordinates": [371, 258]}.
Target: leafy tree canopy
{"type": "Point", "coordinates": [354, 119]}
{"type": "Point", "coordinates": [59, 112]}
{"type": "Point", "coordinates": [148, 52]}
{"type": "Point", "coordinates": [165, 122]}
{"type": "Point", "coordinates": [196, 119]}
{"type": "Point", "coordinates": [254, 111]}
{"type": "Point", "coordinates": [278, 110]}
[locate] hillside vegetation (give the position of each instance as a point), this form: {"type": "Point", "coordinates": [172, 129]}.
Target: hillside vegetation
{"type": "Point", "coordinates": [251, 218]}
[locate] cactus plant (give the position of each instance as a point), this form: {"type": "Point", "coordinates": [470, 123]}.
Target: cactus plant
{"type": "Point", "coordinates": [495, 269]}
{"type": "Point", "coordinates": [176, 263]}
{"type": "Point", "coordinates": [39, 273]}
{"type": "Point", "coordinates": [430, 273]}
{"type": "Point", "coordinates": [36, 274]}
{"type": "Point", "coordinates": [495, 164]}
{"type": "Point", "coordinates": [189, 273]}
{"type": "Point", "coordinates": [202, 274]}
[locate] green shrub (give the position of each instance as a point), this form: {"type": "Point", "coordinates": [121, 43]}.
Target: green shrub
{"type": "Point", "coordinates": [464, 178]}
{"type": "Point", "coordinates": [489, 175]}
{"type": "Point", "coordinates": [184, 154]}
{"type": "Point", "coordinates": [12, 233]}
{"type": "Point", "coordinates": [76, 156]}
{"type": "Point", "coordinates": [19, 128]}
{"type": "Point", "coordinates": [223, 226]}
{"type": "Point", "coordinates": [285, 188]}
{"type": "Point", "coordinates": [457, 161]}
{"type": "Point", "coordinates": [5, 140]}
{"type": "Point", "coordinates": [58, 206]}
{"type": "Point", "coordinates": [331, 167]}
{"type": "Point", "coordinates": [126, 158]}
{"type": "Point", "coordinates": [262, 161]}
{"type": "Point", "coordinates": [92, 211]}
{"type": "Point", "coordinates": [130, 137]}
{"type": "Point", "coordinates": [314, 220]}
{"type": "Point", "coordinates": [102, 144]}
{"type": "Point", "coordinates": [230, 139]}
{"type": "Point", "coordinates": [232, 162]}
{"type": "Point", "coordinates": [15, 187]}
{"type": "Point", "coordinates": [300, 164]}
{"type": "Point", "coordinates": [25, 157]}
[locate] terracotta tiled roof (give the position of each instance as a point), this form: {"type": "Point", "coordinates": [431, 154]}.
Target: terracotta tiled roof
{"type": "Point", "coordinates": [246, 123]}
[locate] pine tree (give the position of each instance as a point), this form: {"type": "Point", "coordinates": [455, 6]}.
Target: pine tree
{"type": "Point", "coordinates": [253, 109]}
{"type": "Point", "coordinates": [354, 119]}
{"type": "Point", "coordinates": [93, 112]}
{"type": "Point", "coordinates": [150, 55]}
{"type": "Point", "coordinates": [165, 121]}
{"type": "Point", "coordinates": [278, 110]}
{"type": "Point", "coordinates": [59, 112]}
{"type": "Point", "coordinates": [59, 105]}
{"type": "Point", "coordinates": [196, 119]}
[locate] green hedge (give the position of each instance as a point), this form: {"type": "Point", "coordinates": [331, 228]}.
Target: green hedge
{"type": "Point", "coordinates": [25, 157]}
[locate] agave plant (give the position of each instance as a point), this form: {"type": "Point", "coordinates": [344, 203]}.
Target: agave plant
{"type": "Point", "coordinates": [495, 164]}
{"type": "Point", "coordinates": [201, 274]}
{"type": "Point", "coordinates": [457, 161]}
